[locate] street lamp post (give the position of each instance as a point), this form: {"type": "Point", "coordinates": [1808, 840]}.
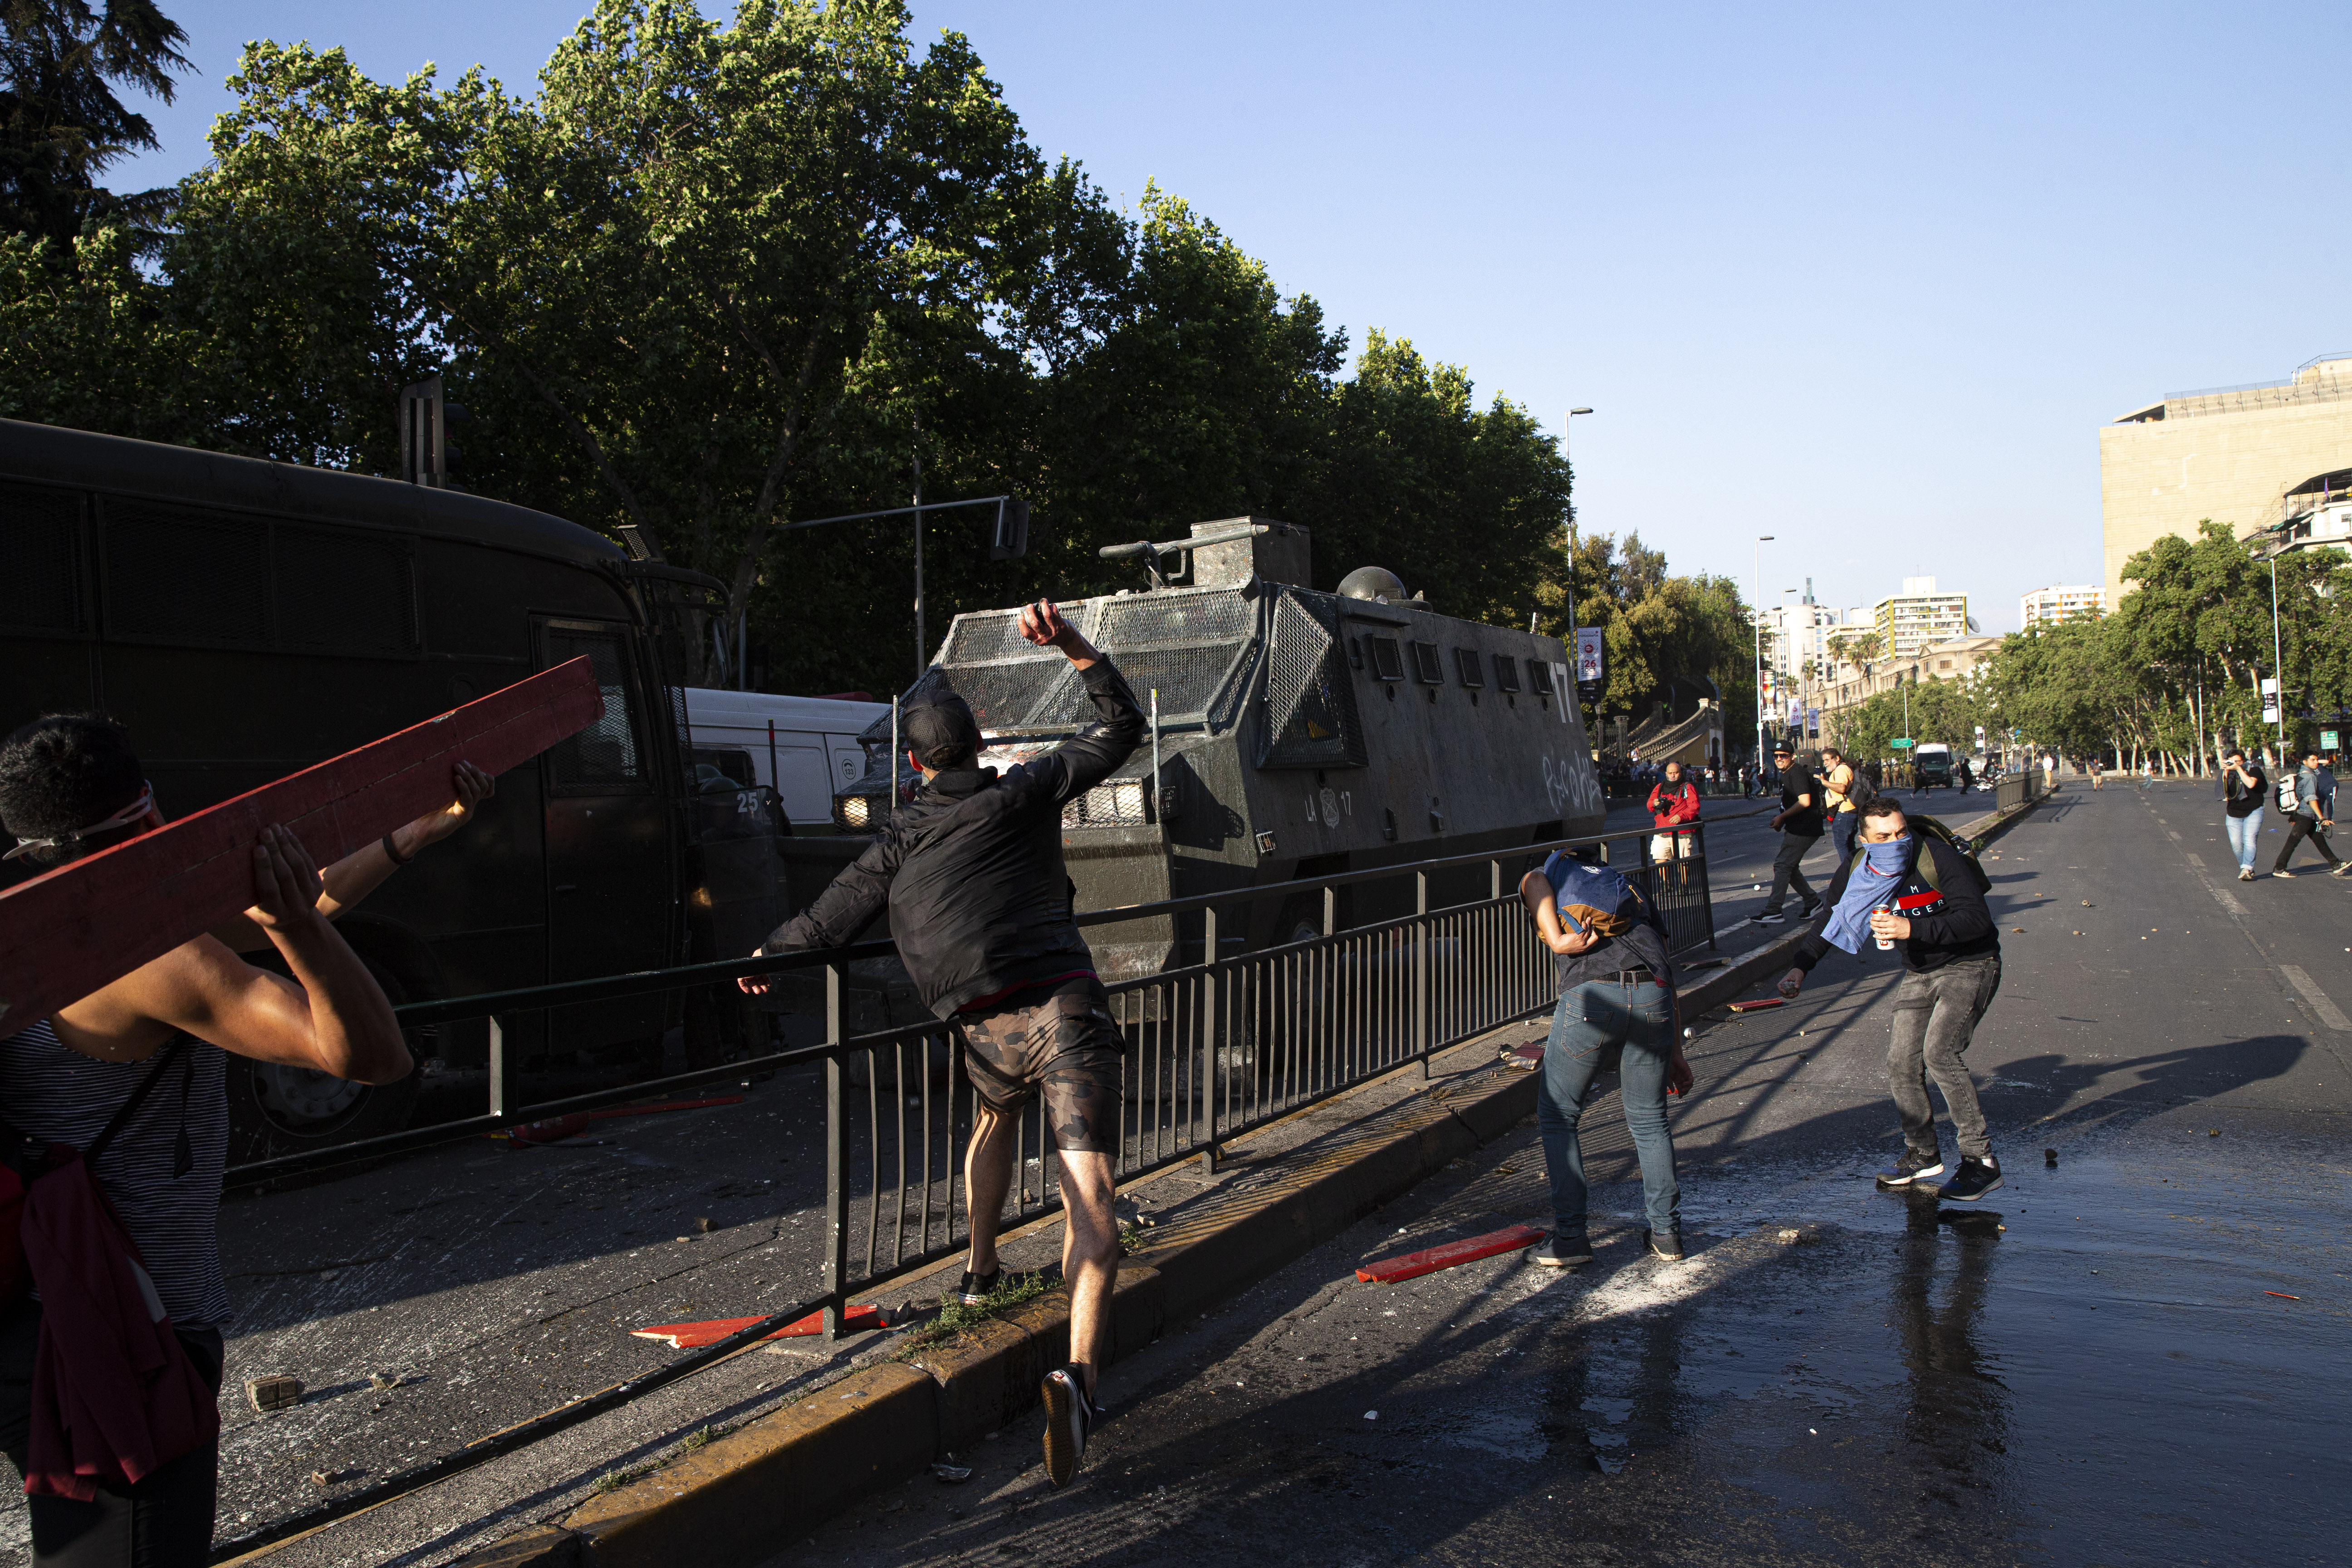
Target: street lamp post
{"type": "Point", "coordinates": [1756, 590]}
{"type": "Point", "coordinates": [2278, 662]}
{"type": "Point", "coordinates": [1566, 425]}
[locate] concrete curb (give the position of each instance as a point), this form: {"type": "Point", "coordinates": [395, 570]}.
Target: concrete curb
{"type": "Point", "coordinates": [745, 1495]}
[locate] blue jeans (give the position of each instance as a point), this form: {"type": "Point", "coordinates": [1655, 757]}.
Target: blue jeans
{"type": "Point", "coordinates": [1596, 1023]}
{"type": "Point", "coordinates": [1842, 827]}
{"type": "Point", "coordinates": [2245, 836]}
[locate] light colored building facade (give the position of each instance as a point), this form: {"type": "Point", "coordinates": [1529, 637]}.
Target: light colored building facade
{"type": "Point", "coordinates": [1919, 618]}
{"type": "Point", "coordinates": [1952, 660]}
{"type": "Point", "coordinates": [2048, 606]}
{"type": "Point", "coordinates": [2250, 457]}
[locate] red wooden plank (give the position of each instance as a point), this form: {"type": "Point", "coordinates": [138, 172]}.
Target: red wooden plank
{"type": "Point", "coordinates": [694, 1336]}
{"type": "Point", "coordinates": [1758, 1006]}
{"type": "Point", "coordinates": [1414, 1264]}
{"type": "Point", "coordinates": [67, 932]}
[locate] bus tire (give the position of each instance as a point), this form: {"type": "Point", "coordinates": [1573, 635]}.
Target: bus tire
{"type": "Point", "coordinates": [275, 1111]}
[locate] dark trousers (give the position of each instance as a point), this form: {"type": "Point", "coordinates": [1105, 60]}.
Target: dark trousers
{"type": "Point", "coordinates": [165, 1520]}
{"type": "Point", "coordinates": [1936, 1016]}
{"type": "Point", "coordinates": [1785, 874]}
{"type": "Point", "coordinates": [2298, 828]}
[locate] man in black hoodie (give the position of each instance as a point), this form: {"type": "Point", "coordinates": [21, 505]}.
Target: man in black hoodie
{"type": "Point", "coordinates": [971, 873]}
{"type": "Point", "coordinates": [1930, 906]}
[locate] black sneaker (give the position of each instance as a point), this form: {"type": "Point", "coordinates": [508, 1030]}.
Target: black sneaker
{"type": "Point", "coordinates": [1769, 917]}
{"type": "Point", "coordinates": [1810, 908]}
{"type": "Point", "coordinates": [1069, 1415]}
{"type": "Point", "coordinates": [1669, 1247]}
{"type": "Point", "coordinates": [976, 1288]}
{"type": "Point", "coordinates": [1972, 1181]}
{"type": "Point", "coordinates": [1559, 1251]}
{"type": "Point", "coordinates": [2288, 875]}
{"type": "Point", "coordinates": [1913, 1167]}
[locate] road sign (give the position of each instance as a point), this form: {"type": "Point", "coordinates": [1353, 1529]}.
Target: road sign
{"type": "Point", "coordinates": [2327, 740]}
{"type": "Point", "coordinates": [2270, 715]}
{"type": "Point", "coordinates": [1900, 742]}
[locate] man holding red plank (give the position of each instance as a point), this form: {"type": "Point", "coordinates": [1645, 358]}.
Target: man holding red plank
{"type": "Point", "coordinates": [135, 1075]}
{"type": "Point", "coordinates": [1920, 892]}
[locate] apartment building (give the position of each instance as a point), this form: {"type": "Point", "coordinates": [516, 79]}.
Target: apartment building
{"type": "Point", "coordinates": [2254, 457]}
{"type": "Point", "coordinates": [1918, 618]}
{"type": "Point", "coordinates": [2048, 606]}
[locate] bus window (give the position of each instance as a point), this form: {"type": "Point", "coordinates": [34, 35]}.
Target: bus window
{"type": "Point", "coordinates": [603, 759]}
{"type": "Point", "coordinates": [729, 770]}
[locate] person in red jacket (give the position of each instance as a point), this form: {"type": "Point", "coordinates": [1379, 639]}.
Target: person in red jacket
{"type": "Point", "coordinates": [1673, 800]}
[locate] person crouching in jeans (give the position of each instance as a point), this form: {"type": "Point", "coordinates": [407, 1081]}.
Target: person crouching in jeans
{"type": "Point", "coordinates": [1616, 1006]}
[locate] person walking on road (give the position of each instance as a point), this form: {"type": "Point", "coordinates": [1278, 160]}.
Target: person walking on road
{"type": "Point", "coordinates": [1838, 794]}
{"type": "Point", "coordinates": [2312, 815]}
{"type": "Point", "coordinates": [2243, 783]}
{"type": "Point", "coordinates": [1673, 803]}
{"type": "Point", "coordinates": [1918, 893]}
{"type": "Point", "coordinates": [972, 875]}
{"type": "Point", "coordinates": [1616, 1008]}
{"type": "Point", "coordinates": [1798, 824]}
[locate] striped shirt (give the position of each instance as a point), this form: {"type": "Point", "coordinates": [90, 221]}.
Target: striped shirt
{"type": "Point", "coordinates": [51, 1091]}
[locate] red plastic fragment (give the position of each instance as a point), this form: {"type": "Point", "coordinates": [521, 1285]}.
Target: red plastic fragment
{"type": "Point", "coordinates": [694, 1336]}
{"type": "Point", "coordinates": [1414, 1264]}
{"type": "Point", "coordinates": [2283, 1295]}
{"type": "Point", "coordinates": [560, 1127]}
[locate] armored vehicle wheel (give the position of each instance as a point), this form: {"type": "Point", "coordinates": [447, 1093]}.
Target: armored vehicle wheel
{"type": "Point", "coordinates": [275, 1111]}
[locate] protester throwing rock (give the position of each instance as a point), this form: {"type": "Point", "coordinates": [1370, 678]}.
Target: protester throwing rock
{"type": "Point", "coordinates": [971, 873]}
{"type": "Point", "coordinates": [1916, 890]}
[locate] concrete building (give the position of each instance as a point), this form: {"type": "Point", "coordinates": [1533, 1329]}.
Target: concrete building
{"type": "Point", "coordinates": [2250, 457]}
{"type": "Point", "coordinates": [1952, 660]}
{"type": "Point", "coordinates": [1794, 634]}
{"type": "Point", "coordinates": [1918, 618]}
{"type": "Point", "coordinates": [2048, 606]}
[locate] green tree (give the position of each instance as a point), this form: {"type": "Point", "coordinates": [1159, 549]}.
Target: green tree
{"type": "Point", "coordinates": [62, 122]}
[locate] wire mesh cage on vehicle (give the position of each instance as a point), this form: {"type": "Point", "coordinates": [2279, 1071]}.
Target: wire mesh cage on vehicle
{"type": "Point", "coordinates": [1310, 700]}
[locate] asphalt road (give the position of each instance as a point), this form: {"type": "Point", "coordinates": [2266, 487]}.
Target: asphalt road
{"type": "Point", "coordinates": [2136, 1354]}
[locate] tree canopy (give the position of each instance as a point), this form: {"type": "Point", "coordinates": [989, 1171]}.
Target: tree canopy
{"type": "Point", "coordinates": [713, 277]}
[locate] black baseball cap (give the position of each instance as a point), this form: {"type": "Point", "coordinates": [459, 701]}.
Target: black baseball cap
{"type": "Point", "coordinates": [1782, 750]}
{"type": "Point", "coordinates": [941, 730]}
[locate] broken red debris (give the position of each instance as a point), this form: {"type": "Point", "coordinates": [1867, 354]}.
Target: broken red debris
{"type": "Point", "coordinates": [1758, 1006]}
{"type": "Point", "coordinates": [694, 1336]}
{"type": "Point", "coordinates": [1525, 1058]}
{"type": "Point", "coordinates": [571, 1126]}
{"type": "Point", "coordinates": [2283, 1295]}
{"type": "Point", "coordinates": [1414, 1264]}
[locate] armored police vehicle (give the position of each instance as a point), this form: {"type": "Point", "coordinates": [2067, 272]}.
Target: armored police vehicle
{"type": "Point", "coordinates": [1298, 734]}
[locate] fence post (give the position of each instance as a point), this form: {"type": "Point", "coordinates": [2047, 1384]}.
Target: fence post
{"type": "Point", "coordinates": [1706, 883]}
{"type": "Point", "coordinates": [498, 1066]}
{"type": "Point", "coordinates": [1420, 969]}
{"type": "Point", "coordinates": [837, 1165]}
{"type": "Point", "coordinates": [1204, 1074]}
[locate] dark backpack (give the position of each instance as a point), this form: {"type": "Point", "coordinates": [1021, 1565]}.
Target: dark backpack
{"type": "Point", "coordinates": [1593, 898]}
{"type": "Point", "coordinates": [1862, 791]}
{"type": "Point", "coordinates": [1926, 827]}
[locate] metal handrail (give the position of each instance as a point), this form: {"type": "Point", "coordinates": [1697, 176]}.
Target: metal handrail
{"type": "Point", "coordinates": [1489, 983]}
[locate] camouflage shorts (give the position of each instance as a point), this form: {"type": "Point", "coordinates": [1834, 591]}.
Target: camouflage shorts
{"type": "Point", "coordinates": [1063, 1041]}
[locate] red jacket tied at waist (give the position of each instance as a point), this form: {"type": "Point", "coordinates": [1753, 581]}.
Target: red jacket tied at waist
{"type": "Point", "coordinates": [114, 1395]}
{"type": "Point", "coordinates": [1680, 803]}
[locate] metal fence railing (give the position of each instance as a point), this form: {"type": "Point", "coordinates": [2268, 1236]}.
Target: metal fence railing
{"type": "Point", "coordinates": [1216, 1047]}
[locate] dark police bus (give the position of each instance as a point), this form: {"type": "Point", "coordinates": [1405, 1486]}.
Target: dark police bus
{"type": "Point", "coordinates": [247, 618]}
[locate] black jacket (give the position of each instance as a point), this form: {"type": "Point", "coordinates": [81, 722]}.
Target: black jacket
{"type": "Point", "coordinates": [972, 872]}
{"type": "Point", "coordinates": [1963, 927]}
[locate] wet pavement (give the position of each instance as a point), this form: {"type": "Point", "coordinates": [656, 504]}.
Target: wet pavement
{"type": "Point", "coordinates": [2136, 1354]}
{"type": "Point", "coordinates": [492, 1284]}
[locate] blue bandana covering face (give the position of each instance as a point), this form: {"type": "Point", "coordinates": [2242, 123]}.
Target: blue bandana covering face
{"type": "Point", "coordinates": [1873, 886]}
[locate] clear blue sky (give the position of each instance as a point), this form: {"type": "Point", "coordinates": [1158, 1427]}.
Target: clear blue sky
{"type": "Point", "coordinates": [1868, 279]}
